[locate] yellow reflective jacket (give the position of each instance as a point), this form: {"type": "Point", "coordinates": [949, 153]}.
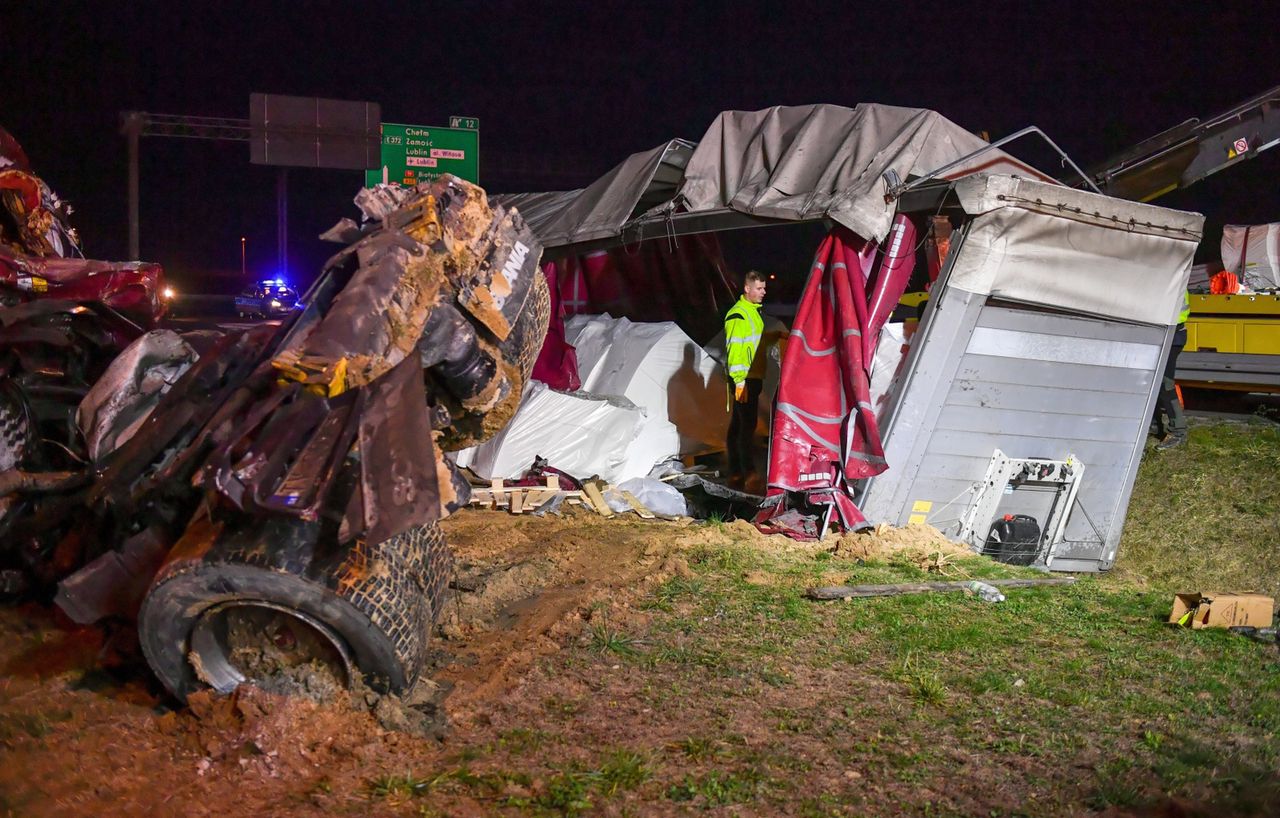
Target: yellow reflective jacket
{"type": "Point", "coordinates": [743, 328]}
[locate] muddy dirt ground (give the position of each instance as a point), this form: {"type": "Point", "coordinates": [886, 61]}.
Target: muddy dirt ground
{"type": "Point", "coordinates": [86, 730]}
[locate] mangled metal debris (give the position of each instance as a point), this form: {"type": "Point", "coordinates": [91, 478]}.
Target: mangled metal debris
{"type": "Point", "coordinates": [33, 219]}
{"type": "Point", "coordinates": [291, 478]}
{"type": "Point", "coordinates": [63, 319]}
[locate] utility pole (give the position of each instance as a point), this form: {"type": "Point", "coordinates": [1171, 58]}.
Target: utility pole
{"type": "Point", "coordinates": [282, 222]}
{"type": "Point", "coordinates": [131, 127]}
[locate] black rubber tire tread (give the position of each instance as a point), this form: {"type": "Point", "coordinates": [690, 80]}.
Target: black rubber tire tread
{"type": "Point", "coordinates": [381, 600]}
{"type": "Point", "coordinates": [15, 432]}
{"type": "Point", "coordinates": [525, 341]}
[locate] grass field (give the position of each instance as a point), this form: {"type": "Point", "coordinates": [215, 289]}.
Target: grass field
{"type": "Point", "coordinates": [1207, 515]}
{"type": "Point", "coordinates": [742, 696]}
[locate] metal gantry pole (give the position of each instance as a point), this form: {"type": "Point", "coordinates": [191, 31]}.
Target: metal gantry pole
{"type": "Point", "coordinates": [137, 124]}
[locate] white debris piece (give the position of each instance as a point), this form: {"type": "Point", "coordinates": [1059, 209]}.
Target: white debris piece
{"type": "Point", "coordinates": [115, 408]}
{"type": "Point", "coordinates": [577, 433]}
{"type": "Point", "coordinates": [658, 368]}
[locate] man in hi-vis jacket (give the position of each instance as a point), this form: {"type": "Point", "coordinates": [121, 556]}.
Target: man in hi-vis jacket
{"type": "Point", "coordinates": [745, 366]}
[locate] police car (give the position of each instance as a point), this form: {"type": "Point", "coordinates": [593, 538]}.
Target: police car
{"type": "Point", "coordinates": [270, 298]}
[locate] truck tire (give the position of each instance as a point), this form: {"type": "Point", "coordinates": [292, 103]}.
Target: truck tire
{"type": "Point", "coordinates": [363, 611]}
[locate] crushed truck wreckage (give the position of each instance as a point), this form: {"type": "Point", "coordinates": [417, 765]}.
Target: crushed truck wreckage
{"type": "Point", "coordinates": [273, 493]}
{"type": "Point", "coordinates": [63, 320]}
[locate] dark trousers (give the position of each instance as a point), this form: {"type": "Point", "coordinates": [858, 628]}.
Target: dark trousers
{"type": "Point", "coordinates": [742, 429]}
{"type": "Point", "coordinates": [1169, 418]}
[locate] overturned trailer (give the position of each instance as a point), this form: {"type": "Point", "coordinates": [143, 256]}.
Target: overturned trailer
{"type": "Point", "coordinates": [1027, 389]}
{"type": "Point", "coordinates": [1043, 342]}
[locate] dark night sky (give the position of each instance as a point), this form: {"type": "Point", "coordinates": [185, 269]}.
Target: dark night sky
{"type": "Point", "coordinates": [585, 85]}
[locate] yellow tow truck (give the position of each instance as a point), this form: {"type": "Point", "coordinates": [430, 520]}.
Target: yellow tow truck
{"type": "Point", "coordinates": [1233, 342]}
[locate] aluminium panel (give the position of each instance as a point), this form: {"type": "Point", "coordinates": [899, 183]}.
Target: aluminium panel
{"type": "Point", "coordinates": [992, 375]}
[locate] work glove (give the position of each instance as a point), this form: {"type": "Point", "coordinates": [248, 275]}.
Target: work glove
{"type": "Point", "coordinates": [740, 392]}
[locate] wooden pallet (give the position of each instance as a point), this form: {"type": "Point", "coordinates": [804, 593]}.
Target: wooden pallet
{"type": "Point", "coordinates": [519, 499]}
{"type": "Point", "coordinates": [525, 499]}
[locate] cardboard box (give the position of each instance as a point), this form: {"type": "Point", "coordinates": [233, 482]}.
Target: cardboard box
{"type": "Point", "coordinates": [1210, 610]}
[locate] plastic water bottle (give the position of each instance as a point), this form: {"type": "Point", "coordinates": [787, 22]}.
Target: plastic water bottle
{"type": "Point", "coordinates": [988, 593]}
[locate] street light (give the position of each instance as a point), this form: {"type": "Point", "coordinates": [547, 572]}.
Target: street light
{"type": "Point", "coordinates": [243, 272]}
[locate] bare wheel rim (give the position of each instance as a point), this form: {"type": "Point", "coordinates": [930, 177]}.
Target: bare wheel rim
{"type": "Point", "coordinates": [252, 640]}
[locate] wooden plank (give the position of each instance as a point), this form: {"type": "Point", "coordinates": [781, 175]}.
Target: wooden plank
{"type": "Point", "coordinates": [517, 501]}
{"type": "Point", "coordinates": [863, 591]}
{"type": "Point", "coordinates": [591, 492]}
{"type": "Point", "coordinates": [537, 498]}
{"type": "Point", "coordinates": [553, 482]}
{"type": "Point", "coordinates": [534, 498]}
{"type": "Point", "coordinates": [499, 493]}
{"type": "Point", "coordinates": [638, 506]}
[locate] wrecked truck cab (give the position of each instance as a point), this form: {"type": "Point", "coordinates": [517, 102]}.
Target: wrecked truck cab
{"type": "Point", "coordinates": [272, 517]}
{"type": "Point", "coordinates": [315, 557]}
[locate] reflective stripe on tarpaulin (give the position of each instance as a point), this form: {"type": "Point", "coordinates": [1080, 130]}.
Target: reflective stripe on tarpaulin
{"type": "Point", "coordinates": [824, 431]}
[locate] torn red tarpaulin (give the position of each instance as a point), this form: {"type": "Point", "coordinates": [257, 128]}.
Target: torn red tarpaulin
{"type": "Point", "coordinates": [684, 279]}
{"type": "Point", "coordinates": [824, 427]}
{"type": "Point", "coordinates": [557, 364]}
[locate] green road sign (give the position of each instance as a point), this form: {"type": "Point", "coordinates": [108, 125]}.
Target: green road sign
{"type": "Point", "coordinates": [471, 123]}
{"type": "Point", "coordinates": [419, 153]}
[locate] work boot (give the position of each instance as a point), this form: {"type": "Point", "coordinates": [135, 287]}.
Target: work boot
{"type": "Point", "coordinates": [1172, 441]}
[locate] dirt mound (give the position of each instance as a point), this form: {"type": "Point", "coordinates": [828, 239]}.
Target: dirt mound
{"type": "Point", "coordinates": [884, 541]}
